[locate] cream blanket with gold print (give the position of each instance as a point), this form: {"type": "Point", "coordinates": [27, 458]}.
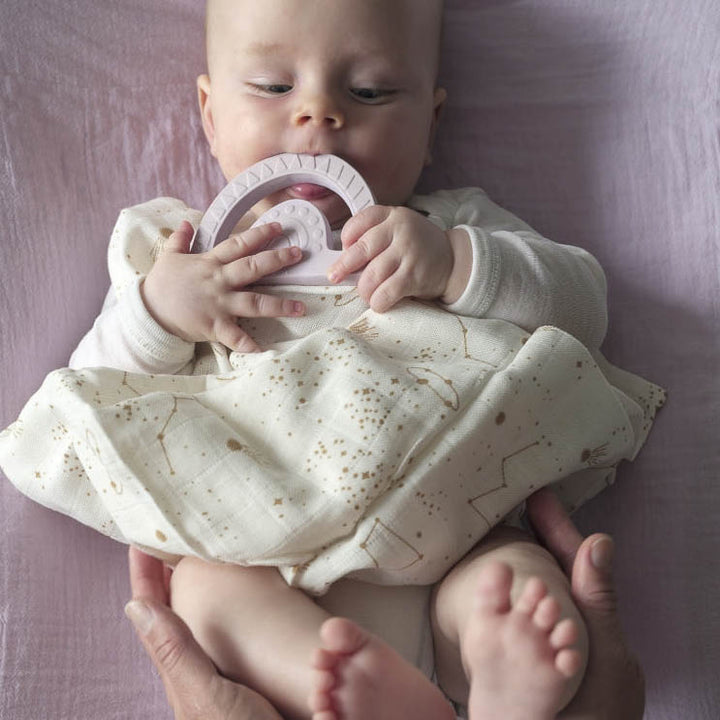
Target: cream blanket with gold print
{"type": "Point", "coordinates": [381, 447]}
{"type": "Point", "coordinates": [383, 450]}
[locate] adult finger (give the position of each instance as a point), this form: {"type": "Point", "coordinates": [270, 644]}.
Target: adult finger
{"type": "Point", "coordinates": [554, 527]}
{"type": "Point", "coordinates": [245, 243]}
{"type": "Point", "coordinates": [147, 577]}
{"type": "Point", "coordinates": [185, 669]}
{"type": "Point", "coordinates": [592, 580]}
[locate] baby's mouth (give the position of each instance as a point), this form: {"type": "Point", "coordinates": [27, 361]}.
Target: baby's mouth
{"type": "Point", "coordinates": [309, 191]}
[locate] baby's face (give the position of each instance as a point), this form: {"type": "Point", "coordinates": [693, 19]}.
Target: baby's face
{"type": "Point", "coordinates": [355, 78]}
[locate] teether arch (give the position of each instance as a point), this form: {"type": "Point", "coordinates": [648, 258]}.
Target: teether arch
{"type": "Point", "coordinates": [303, 224]}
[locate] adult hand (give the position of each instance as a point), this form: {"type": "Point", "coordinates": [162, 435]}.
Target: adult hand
{"type": "Point", "coordinates": [614, 685]}
{"type": "Point", "coordinates": [194, 688]}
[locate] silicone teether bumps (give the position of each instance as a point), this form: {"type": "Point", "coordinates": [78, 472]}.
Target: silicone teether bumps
{"type": "Point", "coordinates": [307, 228]}
{"type": "Point", "coordinates": [302, 221]}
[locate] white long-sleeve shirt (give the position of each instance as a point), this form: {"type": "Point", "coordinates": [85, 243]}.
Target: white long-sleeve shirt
{"type": "Point", "coordinates": [517, 276]}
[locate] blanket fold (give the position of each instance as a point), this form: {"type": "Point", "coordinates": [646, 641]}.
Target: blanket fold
{"type": "Point", "coordinates": [383, 450]}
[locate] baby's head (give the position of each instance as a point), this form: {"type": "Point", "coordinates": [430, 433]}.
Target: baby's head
{"type": "Point", "coordinates": [355, 78]}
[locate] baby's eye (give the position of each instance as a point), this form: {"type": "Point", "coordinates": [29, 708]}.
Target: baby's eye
{"type": "Point", "coordinates": [371, 95]}
{"type": "Point", "coordinates": [272, 88]}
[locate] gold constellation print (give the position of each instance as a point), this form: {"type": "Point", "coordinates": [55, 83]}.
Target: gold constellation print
{"type": "Point", "coordinates": [381, 534]}
{"type": "Point", "coordinates": [346, 299]}
{"type": "Point", "coordinates": [363, 328]}
{"type": "Point", "coordinates": [442, 387]}
{"type": "Point", "coordinates": [466, 348]}
{"type": "Point", "coordinates": [502, 485]}
{"type": "Point", "coordinates": [594, 457]}
{"type": "Point", "coordinates": [234, 446]}
{"type": "Point", "coordinates": [126, 384]}
{"type": "Point", "coordinates": [92, 443]}
{"type": "Point", "coordinates": [161, 434]}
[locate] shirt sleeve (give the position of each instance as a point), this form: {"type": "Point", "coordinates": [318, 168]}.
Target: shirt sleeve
{"type": "Point", "coordinates": [125, 336]}
{"type": "Point", "coordinates": [519, 276]}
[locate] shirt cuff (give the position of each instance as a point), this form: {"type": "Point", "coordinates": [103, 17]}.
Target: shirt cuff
{"type": "Point", "coordinates": [479, 294]}
{"type": "Point", "coordinates": [160, 347]}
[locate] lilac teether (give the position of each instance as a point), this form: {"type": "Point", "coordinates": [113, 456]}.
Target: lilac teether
{"type": "Point", "coordinates": [303, 224]}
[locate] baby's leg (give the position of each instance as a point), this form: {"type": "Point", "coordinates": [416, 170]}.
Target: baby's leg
{"type": "Point", "coordinates": [258, 631]}
{"type": "Point", "coordinates": [507, 632]}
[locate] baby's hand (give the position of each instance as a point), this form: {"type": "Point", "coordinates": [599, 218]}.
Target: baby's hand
{"type": "Point", "coordinates": [406, 256]}
{"type": "Point", "coordinates": [200, 297]}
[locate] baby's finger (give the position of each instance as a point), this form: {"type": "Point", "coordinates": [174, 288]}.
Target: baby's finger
{"type": "Point", "coordinates": [179, 241]}
{"type": "Point", "coordinates": [246, 243]}
{"type": "Point", "coordinates": [230, 334]}
{"type": "Point", "coordinates": [252, 269]}
{"type": "Point", "coordinates": [253, 304]}
{"type": "Point", "coordinates": [388, 293]}
{"type": "Point", "coordinates": [378, 274]}
{"type": "Point", "coordinates": [359, 224]}
{"type": "Point", "coordinates": [359, 254]}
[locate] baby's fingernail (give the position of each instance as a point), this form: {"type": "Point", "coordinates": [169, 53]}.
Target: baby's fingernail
{"type": "Point", "coordinates": [333, 275]}
{"type": "Point", "coordinates": [298, 308]}
{"type": "Point", "coordinates": [601, 554]}
{"type": "Point", "coordinates": [140, 615]}
{"type": "Point", "coordinates": [295, 251]}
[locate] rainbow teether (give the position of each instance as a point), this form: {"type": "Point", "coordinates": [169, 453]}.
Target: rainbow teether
{"type": "Point", "coordinates": [303, 224]}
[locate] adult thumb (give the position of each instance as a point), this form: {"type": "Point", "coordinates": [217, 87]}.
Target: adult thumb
{"type": "Point", "coordinates": [171, 646]}
{"type": "Point", "coordinates": [593, 585]}
{"type": "Point", "coordinates": [179, 241]}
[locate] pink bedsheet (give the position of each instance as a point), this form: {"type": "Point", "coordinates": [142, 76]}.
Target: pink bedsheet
{"type": "Point", "coordinates": [597, 122]}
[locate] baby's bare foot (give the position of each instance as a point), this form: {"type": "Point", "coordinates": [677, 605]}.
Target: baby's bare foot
{"type": "Point", "coordinates": [518, 657]}
{"type": "Point", "coordinates": [358, 676]}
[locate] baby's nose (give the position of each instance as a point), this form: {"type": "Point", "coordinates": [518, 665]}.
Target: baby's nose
{"type": "Point", "coordinates": [319, 110]}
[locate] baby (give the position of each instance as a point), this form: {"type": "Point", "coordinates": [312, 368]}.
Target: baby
{"type": "Point", "coordinates": [357, 79]}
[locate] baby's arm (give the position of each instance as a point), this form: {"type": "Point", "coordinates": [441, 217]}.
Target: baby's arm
{"type": "Point", "coordinates": [485, 263]}
{"type": "Point", "coordinates": [519, 276]}
{"type": "Point", "coordinates": [125, 336]}
{"type": "Point", "coordinates": [152, 328]}
{"type": "Point", "coordinates": [405, 255]}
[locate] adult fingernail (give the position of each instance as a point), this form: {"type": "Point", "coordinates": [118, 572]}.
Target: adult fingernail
{"type": "Point", "coordinates": [140, 615]}
{"type": "Point", "coordinates": [601, 554]}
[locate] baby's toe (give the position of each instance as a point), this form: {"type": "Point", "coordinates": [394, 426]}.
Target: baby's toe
{"type": "Point", "coordinates": [493, 588]}
{"type": "Point", "coordinates": [568, 662]}
{"type": "Point", "coordinates": [564, 634]}
{"type": "Point", "coordinates": [531, 596]}
{"type": "Point", "coordinates": [547, 613]}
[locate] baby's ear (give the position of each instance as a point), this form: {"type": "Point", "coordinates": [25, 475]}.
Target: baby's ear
{"type": "Point", "coordinates": [203, 87]}
{"type": "Point", "coordinates": [438, 104]}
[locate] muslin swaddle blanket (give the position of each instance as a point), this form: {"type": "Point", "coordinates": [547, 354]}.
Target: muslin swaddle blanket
{"type": "Point", "coordinates": [380, 447]}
